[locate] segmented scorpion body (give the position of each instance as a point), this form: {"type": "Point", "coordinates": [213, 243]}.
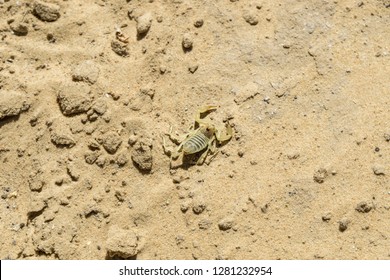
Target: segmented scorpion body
{"type": "Point", "coordinates": [202, 138]}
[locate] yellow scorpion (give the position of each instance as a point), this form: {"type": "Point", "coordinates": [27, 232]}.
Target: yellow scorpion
{"type": "Point", "coordinates": [203, 136]}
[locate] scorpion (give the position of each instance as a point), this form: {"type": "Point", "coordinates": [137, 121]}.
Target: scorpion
{"type": "Point", "coordinates": [203, 137]}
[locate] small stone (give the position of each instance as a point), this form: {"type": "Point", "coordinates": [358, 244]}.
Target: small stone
{"type": "Point", "coordinates": [204, 224]}
{"type": "Point", "coordinates": [74, 99]}
{"type": "Point", "coordinates": [378, 170]}
{"type": "Point", "coordinates": [100, 106]}
{"type": "Point", "coordinates": [121, 243]}
{"type": "Point", "coordinates": [187, 42]}
{"type": "Point", "coordinates": [121, 160]}
{"type": "Point", "coordinates": [35, 184]}
{"type": "Point", "coordinates": [86, 71]}
{"type": "Point", "coordinates": [193, 68]}
{"type": "Point", "coordinates": [73, 172]}
{"type": "Point", "coordinates": [144, 23]}
{"type": "Point", "coordinates": [184, 206]}
{"type": "Point", "coordinates": [62, 140]}
{"type": "Point", "coordinates": [251, 18]}
{"type": "Point", "coordinates": [198, 207]}
{"type": "Point", "coordinates": [120, 49]}
{"type": "Point", "coordinates": [320, 175]}
{"type": "Point", "coordinates": [111, 142]}
{"type": "Point", "coordinates": [46, 11]}
{"type": "Point", "coordinates": [198, 23]}
{"type": "Point", "coordinates": [133, 139]}
{"type": "Point", "coordinates": [225, 224]}
{"type": "Point", "coordinates": [326, 217]}
{"type": "Point", "coordinates": [364, 207]}
{"type": "Point", "coordinates": [19, 29]}
{"type": "Point", "coordinates": [12, 103]}
{"type": "Point", "coordinates": [387, 137]}
{"type": "Point", "coordinates": [90, 157]}
{"type": "Point", "coordinates": [343, 224]}
{"type": "Point", "coordinates": [101, 161]}
{"type": "Point", "coordinates": [142, 156]}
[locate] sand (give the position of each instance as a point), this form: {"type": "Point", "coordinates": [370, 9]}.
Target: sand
{"type": "Point", "coordinates": [88, 88]}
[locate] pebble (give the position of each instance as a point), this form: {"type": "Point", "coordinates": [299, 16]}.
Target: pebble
{"type": "Point", "coordinates": [111, 142]}
{"type": "Point", "coordinates": [187, 42]}
{"type": "Point", "coordinates": [363, 207]}
{"type": "Point", "coordinates": [251, 18]}
{"type": "Point", "coordinates": [387, 137]}
{"type": "Point", "coordinates": [62, 140]}
{"type": "Point", "coordinates": [142, 156]}
{"type": "Point", "coordinates": [144, 23]}
{"type": "Point", "coordinates": [193, 68]}
{"type": "Point", "coordinates": [12, 103]}
{"type": "Point", "coordinates": [87, 71]}
{"type": "Point", "coordinates": [378, 170]}
{"type": "Point", "coordinates": [320, 175]}
{"type": "Point", "coordinates": [121, 243]}
{"type": "Point", "coordinates": [46, 11]}
{"type": "Point", "coordinates": [74, 99]}
{"type": "Point", "coordinates": [120, 49]}
{"type": "Point", "coordinates": [204, 224]}
{"type": "Point", "coordinates": [225, 223]}
{"type": "Point", "coordinates": [198, 23]}
{"type": "Point", "coordinates": [198, 207]}
{"type": "Point", "coordinates": [19, 29]}
{"type": "Point", "coordinates": [343, 224]}
{"type": "Point", "coordinates": [326, 217]}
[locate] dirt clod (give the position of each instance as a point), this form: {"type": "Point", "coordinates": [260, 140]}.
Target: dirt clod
{"type": "Point", "coordinates": [46, 11]}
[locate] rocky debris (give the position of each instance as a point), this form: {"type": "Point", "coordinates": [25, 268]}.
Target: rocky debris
{"type": "Point", "coordinates": [251, 18]}
{"type": "Point", "coordinates": [320, 175]}
{"type": "Point", "coordinates": [121, 243]}
{"type": "Point", "coordinates": [205, 224]}
{"type": "Point", "coordinates": [144, 22]}
{"type": "Point", "coordinates": [35, 184]}
{"type": "Point", "coordinates": [120, 49]}
{"type": "Point", "coordinates": [378, 169]}
{"type": "Point", "coordinates": [87, 71]}
{"type": "Point", "coordinates": [226, 223]}
{"type": "Point", "coordinates": [121, 159]}
{"type": "Point", "coordinates": [364, 207]}
{"type": "Point", "coordinates": [187, 42]}
{"type": "Point", "coordinates": [36, 208]}
{"type": "Point", "coordinates": [18, 28]}
{"type": "Point", "coordinates": [12, 103]}
{"type": "Point", "coordinates": [387, 137]}
{"type": "Point", "coordinates": [101, 161]}
{"type": "Point", "coordinates": [74, 99]}
{"type": "Point", "coordinates": [198, 23]}
{"type": "Point", "coordinates": [91, 157]}
{"type": "Point", "coordinates": [99, 106]}
{"type": "Point", "coordinates": [142, 155]}
{"type": "Point", "coordinates": [249, 91]}
{"type": "Point", "coordinates": [327, 217]}
{"type": "Point", "coordinates": [62, 140]}
{"type": "Point", "coordinates": [111, 142]}
{"type": "Point", "coordinates": [343, 224]}
{"type": "Point", "coordinates": [198, 207]}
{"type": "Point", "coordinates": [185, 205]}
{"type": "Point", "coordinates": [46, 11]}
{"type": "Point", "coordinates": [73, 171]}
{"type": "Point", "coordinates": [192, 68]}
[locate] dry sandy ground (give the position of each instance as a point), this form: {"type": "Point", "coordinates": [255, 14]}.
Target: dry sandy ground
{"type": "Point", "coordinates": [87, 88]}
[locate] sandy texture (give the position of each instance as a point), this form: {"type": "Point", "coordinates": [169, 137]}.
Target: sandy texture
{"type": "Point", "coordinates": [88, 87]}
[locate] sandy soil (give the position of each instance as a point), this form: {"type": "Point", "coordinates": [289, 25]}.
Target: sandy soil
{"type": "Point", "coordinates": [88, 87]}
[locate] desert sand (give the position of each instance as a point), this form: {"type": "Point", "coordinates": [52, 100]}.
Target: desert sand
{"type": "Point", "coordinates": [89, 88]}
